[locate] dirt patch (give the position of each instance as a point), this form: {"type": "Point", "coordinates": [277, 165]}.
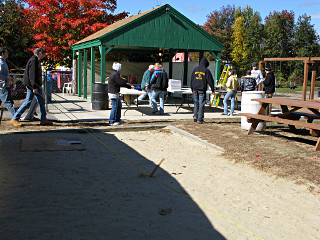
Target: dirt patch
{"type": "Point", "coordinates": [276, 150]}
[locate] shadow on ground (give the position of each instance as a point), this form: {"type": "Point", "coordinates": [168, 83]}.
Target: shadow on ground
{"type": "Point", "coordinates": [91, 194]}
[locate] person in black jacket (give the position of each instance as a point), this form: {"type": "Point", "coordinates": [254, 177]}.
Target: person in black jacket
{"type": "Point", "coordinates": [159, 85]}
{"type": "Point", "coordinates": [114, 84]}
{"type": "Point", "coordinates": [269, 86]}
{"type": "Point", "coordinates": [33, 80]}
{"type": "Point", "coordinates": [200, 78]}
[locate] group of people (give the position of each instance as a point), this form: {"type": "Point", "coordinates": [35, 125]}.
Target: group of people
{"type": "Point", "coordinates": [32, 80]}
{"type": "Point", "coordinates": [154, 83]}
{"type": "Point", "coordinates": [250, 82]}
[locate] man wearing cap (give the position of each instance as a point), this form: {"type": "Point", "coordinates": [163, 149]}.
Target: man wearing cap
{"type": "Point", "coordinates": [144, 85]}
{"type": "Point", "coordinates": [257, 74]}
{"type": "Point", "coordinates": [269, 86]}
{"type": "Point", "coordinates": [114, 84]}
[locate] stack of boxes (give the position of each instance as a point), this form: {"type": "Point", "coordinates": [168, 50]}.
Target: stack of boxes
{"type": "Point", "coordinates": [174, 85]}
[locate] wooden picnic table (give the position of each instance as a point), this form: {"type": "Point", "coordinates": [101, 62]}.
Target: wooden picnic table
{"type": "Point", "coordinates": [292, 111]}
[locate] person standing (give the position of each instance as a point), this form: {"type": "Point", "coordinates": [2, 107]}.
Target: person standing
{"type": "Point", "coordinates": [159, 84]}
{"type": "Point", "coordinates": [232, 86]}
{"type": "Point", "coordinates": [144, 85]}
{"type": "Point", "coordinates": [5, 93]}
{"type": "Point", "coordinates": [201, 77]}
{"type": "Point", "coordinates": [269, 86]}
{"type": "Point", "coordinates": [33, 80]}
{"type": "Point", "coordinates": [114, 84]}
{"type": "Point", "coordinates": [257, 74]}
{"type": "Point", "coordinates": [248, 82]}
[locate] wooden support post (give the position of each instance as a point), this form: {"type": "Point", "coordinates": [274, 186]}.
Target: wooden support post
{"type": "Point", "coordinates": [200, 56]}
{"type": "Point", "coordinates": [253, 126]}
{"type": "Point", "coordinates": [260, 68]}
{"type": "Point", "coordinates": [305, 81]}
{"type": "Point", "coordinates": [85, 73]}
{"type": "Point", "coordinates": [93, 68]}
{"type": "Point", "coordinates": [170, 63]}
{"type": "Point", "coordinates": [74, 72]}
{"type": "Point", "coordinates": [185, 68]}
{"type": "Point", "coordinates": [103, 53]}
{"type": "Point", "coordinates": [79, 73]}
{"type": "Point", "coordinates": [156, 168]}
{"type": "Point", "coordinates": [217, 56]}
{"type": "Point", "coordinates": [313, 81]}
{"type": "Point", "coordinates": [217, 70]}
{"type": "Point", "coordinates": [317, 147]}
{"type": "Point", "coordinates": [103, 63]}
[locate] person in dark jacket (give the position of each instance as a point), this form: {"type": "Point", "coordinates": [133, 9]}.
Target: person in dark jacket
{"type": "Point", "coordinates": [159, 85]}
{"type": "Point", "coordinates": [114, 84]}
{"type": "Point", "coordinates": [269, 86]}
{"type": "Point", "coordinates": [33, 80]}
{"type": "Point", "coordinates": [248, 82]}
{"type": "Point", "coordinates": [200, 78]}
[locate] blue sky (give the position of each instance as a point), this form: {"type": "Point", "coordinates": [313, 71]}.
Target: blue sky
{"type": "Point", "coordinates": [197, 11]}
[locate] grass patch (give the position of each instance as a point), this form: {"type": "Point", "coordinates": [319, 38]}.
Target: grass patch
{"type": "Point", "coordinates": [297, 89]}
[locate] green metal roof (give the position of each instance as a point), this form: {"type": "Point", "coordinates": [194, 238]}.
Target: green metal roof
{"type": "Point", "coordinates": [161, 27]}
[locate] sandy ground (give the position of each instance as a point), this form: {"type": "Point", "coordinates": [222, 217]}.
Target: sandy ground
{"type": "Point", "coordinates": [103, 193]}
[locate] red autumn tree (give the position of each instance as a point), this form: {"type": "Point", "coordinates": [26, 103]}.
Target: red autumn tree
{"type": "Point", "coordinates": [57, 24]}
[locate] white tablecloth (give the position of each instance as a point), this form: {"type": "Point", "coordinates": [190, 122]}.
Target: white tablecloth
{"type": "Point", "coordinates": [129, 91]}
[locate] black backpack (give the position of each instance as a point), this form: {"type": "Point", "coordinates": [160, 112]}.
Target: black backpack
{"type": "Point", "coordinates": [160, 81]}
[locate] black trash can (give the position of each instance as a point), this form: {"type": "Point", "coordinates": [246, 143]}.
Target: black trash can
{"type": "Point", "coordinates": [100, 99]}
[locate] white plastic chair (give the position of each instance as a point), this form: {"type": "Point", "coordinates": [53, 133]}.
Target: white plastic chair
{"type": "Point", "coordinates": [67, 87]}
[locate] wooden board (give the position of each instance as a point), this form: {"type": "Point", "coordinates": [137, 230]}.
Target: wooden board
{"type": "Point", "coordinates": [51, 144]}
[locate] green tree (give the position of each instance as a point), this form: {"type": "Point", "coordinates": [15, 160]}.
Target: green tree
{"type": "Point", "coordinates": [279, 28]}
{"type": "Point", "coordinates": [247, 37]}
{"type": "Point", "coordinates": [255, 35]}
{"type": "Point", "coordinates": [306, 44]}
{"type": "Point", "coordinates": [219, 24]}
{"type": "Point", "coordinates": [306, 40]}
{"type": "Point", "coordinates": [240, 50]}
{"type": "Point", "coordinates": [15, 33]}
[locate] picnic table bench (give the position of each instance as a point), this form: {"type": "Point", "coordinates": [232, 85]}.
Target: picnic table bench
{"type": "Point", "coordinates": [310, 111]}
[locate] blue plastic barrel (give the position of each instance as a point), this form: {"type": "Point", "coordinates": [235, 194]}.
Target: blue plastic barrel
{"type": "Point", "coordinates": [49, 87]}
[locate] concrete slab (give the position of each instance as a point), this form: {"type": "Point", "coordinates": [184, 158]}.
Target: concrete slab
{"type": "Point", "coordinates": [74, 108]}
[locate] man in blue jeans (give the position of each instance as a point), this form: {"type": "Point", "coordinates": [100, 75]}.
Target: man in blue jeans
{"type": "Point", "coordinates": [114, 84]}
{"type": "Point", "coordinates": [33, 80]}
{"type": "Point", "coordinates": [5, 93]}
{"type": "Point", "coordinates": [144, 85]}
{"type": "Point", "coordinates": [201, 77]}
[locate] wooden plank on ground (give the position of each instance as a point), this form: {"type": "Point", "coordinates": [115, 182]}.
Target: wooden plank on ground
{"type": "Point", "coordinates": [38, 144]}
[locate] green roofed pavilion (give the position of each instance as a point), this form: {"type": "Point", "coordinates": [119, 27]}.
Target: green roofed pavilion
{"type": "Point", "coordinates": [154, 30]}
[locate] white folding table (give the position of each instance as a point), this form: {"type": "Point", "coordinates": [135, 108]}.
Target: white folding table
{"type": "Point", "coordinates": [128, 97]}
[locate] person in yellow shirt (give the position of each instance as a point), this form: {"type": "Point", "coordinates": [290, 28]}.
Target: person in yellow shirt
{"type": "Point", "coordinates": [232, 86]}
